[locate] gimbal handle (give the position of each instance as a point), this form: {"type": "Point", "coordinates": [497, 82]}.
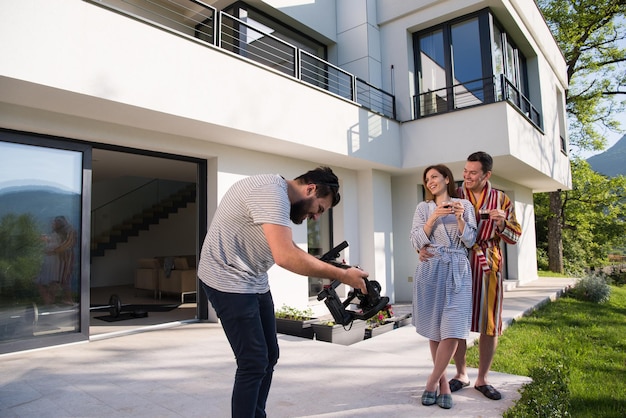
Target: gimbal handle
{"type": "Point", "coordinates": [334, 253]}
{"type": "Point", "coordinates": [337, 308]}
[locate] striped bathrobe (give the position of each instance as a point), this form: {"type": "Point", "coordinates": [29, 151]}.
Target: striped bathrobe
{"type": "Point", "coordinates": [442, 286]}
{"type": "Point", "coordinates": [486, 259]}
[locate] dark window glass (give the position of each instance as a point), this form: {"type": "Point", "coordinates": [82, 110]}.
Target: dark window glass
{"type": "Point", "coordinates": [266, 24]}
{"type": "Point", "coordinates": [320, 237]}
{"type": "Point", "coordinates": [432, 73]}
{"type": "Point", "coordinates": [467, 63]}
{"type": "Point", "coordinates": [511, 69]}
{"type": "Point", "coordinates": [460, 64]}
{"type": "Point", "coordinates": [497, 54]}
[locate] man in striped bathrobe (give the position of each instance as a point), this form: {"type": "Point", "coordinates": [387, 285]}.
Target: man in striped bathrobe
{"type": "Point", "coordinates": [496, 222]}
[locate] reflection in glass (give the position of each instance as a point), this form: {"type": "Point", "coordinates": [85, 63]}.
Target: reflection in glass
{"type": "Point", "coordinates": [467, 64]}
{"type": "Point", "coordinates": [455, 72]}
{"type": "Point", "coordinates": [318, 232]}
{"type": "Point", "coordinates": [40, 208]}
{"type": "Point", "coordinates": [432, 73]}
{"type": "Point", "coordinates": [58, 261]}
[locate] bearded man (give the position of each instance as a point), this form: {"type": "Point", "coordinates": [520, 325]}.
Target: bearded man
{"type": "Point", "coordinates": [250, 232]}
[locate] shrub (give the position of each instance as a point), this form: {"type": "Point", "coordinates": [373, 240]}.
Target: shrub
{"type": "Point", "coordinates": [592, 288]}
{"type": "Point", "coordinates": [546, 396]}
{"type": "Point", "coordinates": [542, 259]}
{"type": "Point", "coordinates": [617, 276]}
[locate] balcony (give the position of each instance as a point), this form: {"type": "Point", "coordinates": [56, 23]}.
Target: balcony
{"type": "Point", "coordinates": [200, 22]}
{"type": "Point", "coordinates": [474, 93]}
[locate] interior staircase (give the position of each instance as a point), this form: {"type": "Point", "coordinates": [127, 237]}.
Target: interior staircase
{"type": "Point", "coordinates": [142, 221]}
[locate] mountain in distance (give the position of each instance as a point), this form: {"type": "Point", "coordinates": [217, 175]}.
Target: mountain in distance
{"type": "Point", "coordinates": [42, 203]}
{"type": "Point", "coordinates": [611, 162]}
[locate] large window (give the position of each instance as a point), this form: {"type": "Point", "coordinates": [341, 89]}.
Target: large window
{"type": "Point", "coordinates": [319, 241]}
{"type": "Point", "coordinates": [468, 62]}
{"type": "Point", "coordinates": [266, 24]}
{"type": "Point", "coordinates": [41, 191]}
{"type": "Point", "coordinates": [433, 83]}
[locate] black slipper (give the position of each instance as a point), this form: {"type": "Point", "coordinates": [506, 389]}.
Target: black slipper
{"type": "Point", "coordinates": [456, 384]}
{"type": "Point", "coordinates": [489, 391]}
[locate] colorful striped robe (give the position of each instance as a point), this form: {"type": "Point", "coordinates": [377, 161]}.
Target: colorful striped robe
{"type": "Point", "coordinates": [486, 258]}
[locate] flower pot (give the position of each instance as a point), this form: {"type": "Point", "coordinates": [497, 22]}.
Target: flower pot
{"type": "Point", "coordinates": [403, 320]}
{"type": "Point", "coordinates": [297, 328]}
{"type": "Point", "coordinates": [337, 334]}
{"type": "Point", "coordinates": [381, 329]}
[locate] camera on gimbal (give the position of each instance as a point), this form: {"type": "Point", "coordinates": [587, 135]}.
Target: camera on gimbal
{"type": "Point", "coordinates": [369, 304]}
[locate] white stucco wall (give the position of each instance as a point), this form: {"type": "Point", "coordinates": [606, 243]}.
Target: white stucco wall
{"type": "Point", "coordinates": [115, 87]}
{"type": "Point", "coordinates": [121, 77]}
{"type": "Point", "coordinates": [405, 199]}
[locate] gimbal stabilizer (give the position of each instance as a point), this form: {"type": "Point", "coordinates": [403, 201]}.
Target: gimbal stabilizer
{"type": "Point", "coordinates": [369, 304]}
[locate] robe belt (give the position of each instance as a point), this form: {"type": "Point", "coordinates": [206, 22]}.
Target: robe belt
{"type": "Point", "coordinates": [479, 249]}
{"type": "Point", "coordinates": [449, 255]}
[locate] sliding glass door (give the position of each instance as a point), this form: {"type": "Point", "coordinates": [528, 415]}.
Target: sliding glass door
{"type": "Point", "coordinates": [41, 229]}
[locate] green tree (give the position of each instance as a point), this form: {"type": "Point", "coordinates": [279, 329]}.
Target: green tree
{"type": "Point", "coordinates": [21, 254]}
{"type": "Point", "coordinates": [590, 34]}
{"type": "Point", "coordinates": [593, 216]}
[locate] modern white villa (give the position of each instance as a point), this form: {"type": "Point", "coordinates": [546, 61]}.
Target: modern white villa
{"type": "Point", "coordinates": [129, 119]}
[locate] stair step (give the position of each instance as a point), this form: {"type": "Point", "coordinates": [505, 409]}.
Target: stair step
{"type": "Point", "coordinates": [141, 222]}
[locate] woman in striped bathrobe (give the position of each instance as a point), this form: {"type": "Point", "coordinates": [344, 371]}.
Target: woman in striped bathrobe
{"type": "Point", "coordinates": [442, 292]}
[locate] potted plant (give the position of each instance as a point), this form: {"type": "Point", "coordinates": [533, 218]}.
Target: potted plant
{"type": "Point", "coordinates": [380, 323]}
{"type": "Point", "coordinates": [296, 322]}
{"type": "Point", "coordinates": [339, 334]}
{"type": "Point", "coordinates": [400, 321]}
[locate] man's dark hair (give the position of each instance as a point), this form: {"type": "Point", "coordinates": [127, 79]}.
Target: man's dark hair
{"type": "Point", "coordinates": [326, 181]}
{"type": "Point", "coordinates": [485, 160]}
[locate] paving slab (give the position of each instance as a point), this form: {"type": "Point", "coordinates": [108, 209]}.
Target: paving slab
{"type": "Point", "coordinates": [188, 371]}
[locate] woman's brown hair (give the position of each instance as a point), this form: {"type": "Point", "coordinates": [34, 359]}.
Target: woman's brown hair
{"type": "Point", "coordinates": [446, 173]}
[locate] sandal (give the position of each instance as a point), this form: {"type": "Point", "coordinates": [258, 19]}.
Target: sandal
{"type": "Point", "coordinates": [489, 391]}
{"type": "Point", "coordinates": [429, 398]}
{"type": "Point", "coordinates": [456, 384]}
{"type": "Point", "coordinates": [445, 401]}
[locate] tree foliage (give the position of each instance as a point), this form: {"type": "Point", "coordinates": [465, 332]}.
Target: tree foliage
{"type": "Point", "coordinates": [593, 217]}
{"type": "Point", "coordinates": [592, 35]}
{"type": "Point", "coordinates": [21, 254]}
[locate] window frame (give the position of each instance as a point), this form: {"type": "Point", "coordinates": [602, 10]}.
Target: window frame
{"type": "Point", "coordinates": [82, 333]}
{"type": "Point", "coordinates": [514, 63]}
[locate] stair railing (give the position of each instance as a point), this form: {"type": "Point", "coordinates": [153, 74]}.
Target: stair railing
{"type": "Point", "coordinates": [123, 207]}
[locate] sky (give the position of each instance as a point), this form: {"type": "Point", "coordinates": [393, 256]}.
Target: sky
{"type": "Point", "coordinates": [22, 165]}
{"type": "Point", "coordinates": [612, 137]}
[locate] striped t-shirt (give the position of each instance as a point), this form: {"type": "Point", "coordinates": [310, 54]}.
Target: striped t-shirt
{"type": "Point", "coordinates": [235, 255]}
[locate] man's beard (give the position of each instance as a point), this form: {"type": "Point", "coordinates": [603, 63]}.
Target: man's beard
{"type": "Point", "coordinates": [299, 211]}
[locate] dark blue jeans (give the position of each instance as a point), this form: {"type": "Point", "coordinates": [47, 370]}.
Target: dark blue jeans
{"type": "Point", "coordinates": [250, 325]}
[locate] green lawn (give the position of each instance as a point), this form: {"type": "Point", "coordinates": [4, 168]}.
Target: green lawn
{"type": "Point", "coordinates": [588, 337]}
{"type": "Point", "coordinates": [542, 273]}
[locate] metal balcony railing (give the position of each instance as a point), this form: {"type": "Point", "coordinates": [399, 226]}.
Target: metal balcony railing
{"type": "Point", "coordinates": [473, 93]}
{"type": "Point", "coordinates": [513, 95]}
{"type": "Point", "coordinates": [198, 20]}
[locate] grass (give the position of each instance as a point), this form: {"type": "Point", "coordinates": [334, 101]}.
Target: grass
{"type": "Point", "coordinates": [589, 337]}
{"type": "Point", "coordinates": [542, 273]}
